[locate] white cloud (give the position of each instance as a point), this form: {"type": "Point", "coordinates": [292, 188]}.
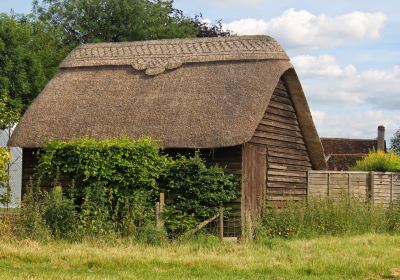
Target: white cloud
{"type": "Point", "coordinates": [300, 29]}
{"type": "Point", "coordinates": [323, 65]}
{"type": "Point", "coordinates": [349, 124]}
{"type": "Point", "coordinates": [326, 82]}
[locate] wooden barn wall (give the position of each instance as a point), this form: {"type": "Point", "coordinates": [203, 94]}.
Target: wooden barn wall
{"type": "Point", "coordinates": [287, 156]}
{"type": "Point", "coordinates": [29, 163]}
{"type": "Point", "coordinates": [228, 157]}
{"type": "Point", "coordinates": [253, 179]}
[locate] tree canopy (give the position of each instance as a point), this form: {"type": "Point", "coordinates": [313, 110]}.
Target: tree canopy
{"type": "Point", "coordinates": [88, 21]}
{"type": "Point", "coordinates": [395, 142]}
{"type": "Point", "coordinates": [29, 55]}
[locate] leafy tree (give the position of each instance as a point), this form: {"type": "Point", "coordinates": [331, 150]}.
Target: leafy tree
{"type": "Point", "coordinates": [207, 29]}
{"type": "Point", "coordinates": [88, 21]}
{"type": "Point", "coordinates": [29, 55]}
{"type": "Point", "coordinates": [395, 142]}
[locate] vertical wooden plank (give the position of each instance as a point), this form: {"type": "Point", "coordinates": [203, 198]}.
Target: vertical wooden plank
{"type": "Point", "coordinates": [253, 179]}
{"type": "Point", "coordinates": [221, 222]}
{"type": "Point", "coordinates": [348, 183]}
{"type": "Point", "coordinates": [372, 187]}
{"type": "Point", "coordinates": [162, 202]}
{"type": "Point", "coordinates": [308, 184]}
{"type": "Point", "coordinates": [391, 187]}
{"type": "Point", "coordinates": [329, 184]}
{"type": "Point", "coordinates": [244, 202]}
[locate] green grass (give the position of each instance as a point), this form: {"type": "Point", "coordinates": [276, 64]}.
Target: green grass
{"type": "Point", "coordinates": [371, 256]}
{"type": "Point", "coordinates": [9, 210]}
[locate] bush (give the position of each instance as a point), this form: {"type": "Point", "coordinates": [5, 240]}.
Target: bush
{"type": "Point", "coordinates": [107, 211]}
{"type": "Point", "coordinates": [31, 223]}
{"type": "Point", "coordinates": [379, 161]}
{"type": "Point", "coordinates": [121, 163]}
{"type": "Point", "coordinates": [117, 183]}
{"type": "Point", "coordinates": [194, 192]}
{"type": "Point", "coordinates": [325, 217]}
{"type": "Point", "coordinates": [60, 215]}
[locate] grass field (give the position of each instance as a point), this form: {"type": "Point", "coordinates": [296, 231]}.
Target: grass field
{"type": "Point", "coordinates": [360, 257]}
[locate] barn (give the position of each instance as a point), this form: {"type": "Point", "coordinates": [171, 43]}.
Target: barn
{"type": "Point", "coordinates": [237, 99]}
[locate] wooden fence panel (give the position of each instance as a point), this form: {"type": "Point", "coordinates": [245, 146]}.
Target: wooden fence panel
{"type": "Point", "coordinates": [382, 187]}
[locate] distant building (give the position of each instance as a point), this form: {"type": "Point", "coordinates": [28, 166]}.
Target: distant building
{"type": "Point", "coordinates": [343, 153]}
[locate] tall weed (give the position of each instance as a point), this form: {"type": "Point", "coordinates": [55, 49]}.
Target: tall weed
{"type": "Point", "coordinates": [318, 217]}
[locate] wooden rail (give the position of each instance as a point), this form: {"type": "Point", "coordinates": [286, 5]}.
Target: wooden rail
{"type": "Point", "coordinates": [382, 187]}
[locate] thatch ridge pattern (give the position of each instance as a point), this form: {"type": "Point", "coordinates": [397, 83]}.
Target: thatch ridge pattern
{"type": "Point", "coordinates": [157, 56]}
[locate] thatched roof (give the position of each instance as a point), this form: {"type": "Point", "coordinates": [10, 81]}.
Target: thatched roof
{"type": "Point", "coordinates": [192, 93]}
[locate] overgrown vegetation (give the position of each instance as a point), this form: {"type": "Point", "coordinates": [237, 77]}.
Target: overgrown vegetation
{"type": "Point", "coordinates": [379, 161]}
{"type": "Point", "coordinates": [316, 217]}
{"type": "Point", "coordinates": [195, 192]}
{"type": "Point", "coordinates": [113, 186]}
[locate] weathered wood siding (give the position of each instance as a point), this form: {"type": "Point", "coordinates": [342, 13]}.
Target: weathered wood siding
{"type": "Point", "coordinates": [383, 188]}
{"type": "Point", "coordinates": [253, 178]}
{"type": "Point", "coordinates": [287, 156]}
{"type": "Point", "coordinates": [29, 163]}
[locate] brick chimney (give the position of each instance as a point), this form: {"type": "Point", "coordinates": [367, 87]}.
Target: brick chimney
{"type": "Point", "coordinates": [381, 138]}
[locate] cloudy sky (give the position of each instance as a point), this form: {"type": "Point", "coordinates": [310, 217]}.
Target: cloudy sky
{"type": "Point", "coordinates": [346, 52]}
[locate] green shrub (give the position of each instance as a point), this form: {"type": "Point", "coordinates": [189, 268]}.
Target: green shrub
{"type": "Point", "coordinates": [60, 215]}
{"type": "Point", "coordinates": [31, 223]}
{"type": "Point", "coordinates": [194, 192]}
{"type": "Point", "coordinates": [379, 161]}
{"type": "Point", "coordinates": [121, 163]}
{"type": "Point", "coordinates": [318, 217]}
{"type": "Point", "coordinates": [108, 211]}
{"type": "Point", "coordinates": [117, 183]}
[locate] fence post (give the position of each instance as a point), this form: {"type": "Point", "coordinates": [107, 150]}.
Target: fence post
{"type": "Point", "coordinates": [308, 184]}
{"type": "Point", "coordinates": [372, 186]}
{"type": "Point", "coordinates": [348, 184]}
{"type": "Point", "coordinates": [160, 212]}
{"type": "Point", "coordinates": [329, 184]}
{"type": "Point", "coordinates": [221, 221]}
{"type": "Point", "coordinates": [391, 187]}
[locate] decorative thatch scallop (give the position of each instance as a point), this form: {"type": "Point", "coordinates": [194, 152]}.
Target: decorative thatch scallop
{"type": "Point", "coordinates": [193, 93]}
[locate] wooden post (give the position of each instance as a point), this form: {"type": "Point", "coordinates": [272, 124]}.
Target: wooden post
{"type": "Point", "coordinates": [221, 222]}
{"type": "Point", "coordinates": [162, 202]}
{"type": "Point", "coordinates": [329, 184]}
{"type": "Point", "coordinates": [158, 218]}
{"type": "Point", "coordinates": [391, 187]}
{"type": "Point", "coordinates": [308, 184]}
{"type": "Point", "coordinates": [372, 186]}
{"type": "Point", "coordinates": [348, 184]}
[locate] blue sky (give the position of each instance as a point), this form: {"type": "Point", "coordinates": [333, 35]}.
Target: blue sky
{"type": "Point", "coordinates": [347, 54]}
